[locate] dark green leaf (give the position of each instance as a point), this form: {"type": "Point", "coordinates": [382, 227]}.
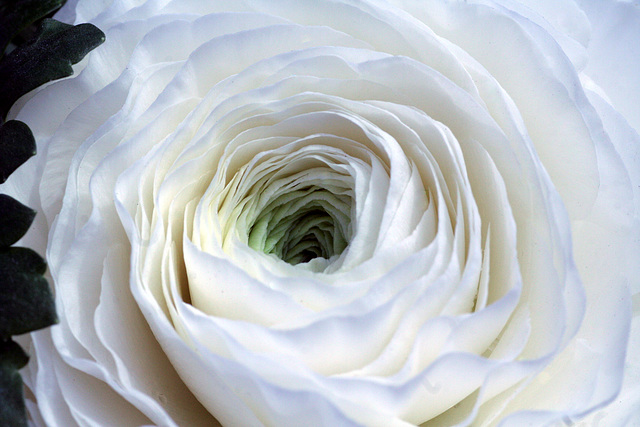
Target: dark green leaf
{"type": "Point", "coordinates": [15, 219]}
{"type": "Point", "coordinates": [12, 409]}
{"type": "Point", "coordinates": [48, 58]}
{"type": "Point", "coordinates": [21, 260]}
{"type": "Point", "coordinates": [12, 356]}
{"type": "Point", "coordinates": [26, 302]}
{"type": "Point", "coordinates": [15, 15]}
{"type": "Point", "coordinates": [16, 146]}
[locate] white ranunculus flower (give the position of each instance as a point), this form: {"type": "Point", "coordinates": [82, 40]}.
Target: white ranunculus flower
{"type": "Point", "coordinates": [339, 212]}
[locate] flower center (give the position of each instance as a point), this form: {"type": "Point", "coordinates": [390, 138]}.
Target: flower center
{"type": "Point", "coordinates": [302, 225]}
{"type": "Point", "coordinates": [293, 203]}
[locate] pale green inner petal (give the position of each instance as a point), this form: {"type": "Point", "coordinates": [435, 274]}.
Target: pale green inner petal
{"type": "Point", "coordinates": [295, 205]}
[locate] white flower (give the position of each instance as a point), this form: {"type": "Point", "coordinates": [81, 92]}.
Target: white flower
{"type": "Point", "coordinates": [339, 212]}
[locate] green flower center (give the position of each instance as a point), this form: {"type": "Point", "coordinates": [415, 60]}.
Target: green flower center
{"type": "Point", "coordinates": [302, 225]}
{"type": "Point", "coordinates": [294, 203]}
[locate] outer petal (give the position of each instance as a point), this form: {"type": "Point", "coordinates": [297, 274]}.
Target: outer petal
{"type": "Point", "coordinates": [614, 53]}
{"type": "Point", "coordinates": [624, 409]}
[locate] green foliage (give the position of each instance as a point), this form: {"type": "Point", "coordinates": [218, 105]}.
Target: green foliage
{"type": "Point", "coordinates": [16, 15]}
{"type": "Point", "coordinates": [12, 409]}
{"type": "Point", "coordinates": [15, 220]}
{"type": "Point", "coordinates": [49, 57]}
{"type": "Point", "coordinates": [26, 301]}
{"type": "Point", "coordinates": [16, 146]}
